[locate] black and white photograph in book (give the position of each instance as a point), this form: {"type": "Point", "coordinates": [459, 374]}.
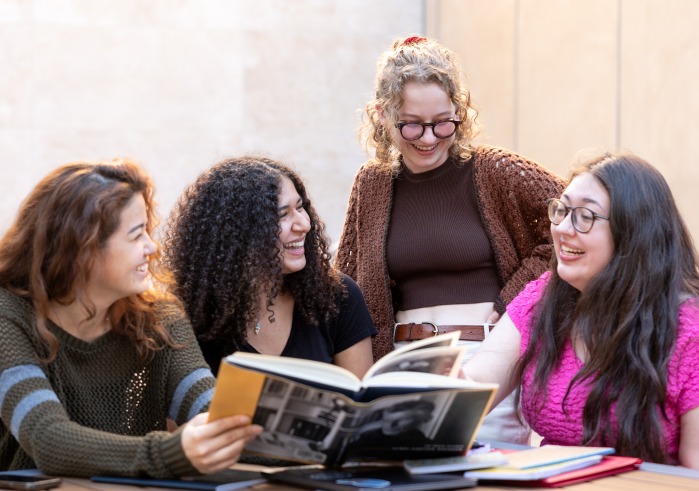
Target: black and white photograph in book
{"type": "Point", "coordinates": [306, 424]}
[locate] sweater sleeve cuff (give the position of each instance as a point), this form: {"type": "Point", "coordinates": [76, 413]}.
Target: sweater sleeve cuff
{"type": "Point", "coordinates": [500, 306]}
{"type": "Point", "coordinates": [174, 457]}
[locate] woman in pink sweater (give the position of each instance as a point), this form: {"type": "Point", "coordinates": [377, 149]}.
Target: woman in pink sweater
{"type": "Point", "coordinates": [604, 348]}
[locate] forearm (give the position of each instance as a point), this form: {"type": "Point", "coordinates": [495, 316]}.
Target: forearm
{"type": "Point", "coordinates": [495, 359]}
{"type": "Point", "coordinates": [73, 450]}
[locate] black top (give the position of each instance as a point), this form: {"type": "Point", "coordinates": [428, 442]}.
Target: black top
{"type": "Point", "coordinates": [322, 342]}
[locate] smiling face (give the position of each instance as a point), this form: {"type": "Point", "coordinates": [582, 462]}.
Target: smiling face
{"type": "Point", "coordinates": [121, 266]}
{"type": "Point", "coordinates": [295, 224]}
{"type": "Point", "coordinates": [583, 256]}
{"type": "Point", "coordinates": [423, 103]}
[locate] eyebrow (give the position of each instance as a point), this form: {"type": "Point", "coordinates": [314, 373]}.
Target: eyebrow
{"type": "Point", "coordinates": [137, 227]}
{"type": "Point", "coordinates": [436, 116]}
{"type": "Point", "coordinates": [586, 201]}
{"type": "Point", "coordinates": [283, 207]}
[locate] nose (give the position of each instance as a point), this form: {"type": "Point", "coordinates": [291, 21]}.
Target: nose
{"type": "Point", "coordinates": [150, 246]}
{"type": "Point", "coordinates": [302, 222]}
{"type": "Point", "coordinates": [428, 135]}
{"type": "Point", "coordinates": [566, 226]}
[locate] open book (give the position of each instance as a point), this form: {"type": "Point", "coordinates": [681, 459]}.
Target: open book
{"type": "Point", "coordinates": [410, 404]}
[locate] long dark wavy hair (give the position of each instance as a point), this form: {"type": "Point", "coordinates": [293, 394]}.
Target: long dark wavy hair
{"type": "Point", "coordinates": [222, 246]}
{"type": "Point", "coordinates": [627, 315]}
{"type": "Point", "coordinates": [49, 252]}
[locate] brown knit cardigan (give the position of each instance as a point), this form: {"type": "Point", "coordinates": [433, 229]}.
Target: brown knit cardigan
{"type": "Point", "coordinates": [511, 192]}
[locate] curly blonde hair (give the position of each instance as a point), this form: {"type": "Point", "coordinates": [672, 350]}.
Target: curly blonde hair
{"type": "Point", "coordinates": [421, 60]}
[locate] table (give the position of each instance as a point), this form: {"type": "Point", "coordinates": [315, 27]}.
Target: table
{"type": "Point", "coordinates": [640, 480]}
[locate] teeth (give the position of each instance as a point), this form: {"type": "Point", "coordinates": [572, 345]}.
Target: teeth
{"type": "Point", "coordinates": [142, 267]}
{"type": "Point", "coordinates": [294, 245]}
{"type": "Point", "coordinates": [425, 149]}
{"type": "Point", "coordinates": [568, 250]}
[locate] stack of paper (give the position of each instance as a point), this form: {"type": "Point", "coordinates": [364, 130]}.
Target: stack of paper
{"type": "Point", "coordinates": [542, 462]}
{"type": "Point", "coordinates": [555, 466]}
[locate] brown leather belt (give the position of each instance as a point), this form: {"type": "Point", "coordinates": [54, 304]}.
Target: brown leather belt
{"type": "Point", "coordinates": [414, 331]}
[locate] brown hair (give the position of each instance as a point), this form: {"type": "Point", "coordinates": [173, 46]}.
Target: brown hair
{"type": "Point", "coordinates": [422, 60]}
{"type": "Point", "coordinates": [49, 251]}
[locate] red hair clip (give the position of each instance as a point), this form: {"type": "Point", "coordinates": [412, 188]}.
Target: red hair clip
{"type": "Point", "coordinates": [413, 40]}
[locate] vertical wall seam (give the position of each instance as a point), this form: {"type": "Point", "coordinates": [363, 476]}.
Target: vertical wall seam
{"type": "Point", "coordinates": [423, 7]}
{"type": "Point", "coordinates": [515, 78]}
{"type": "Point", "coordinates": [617, 129]}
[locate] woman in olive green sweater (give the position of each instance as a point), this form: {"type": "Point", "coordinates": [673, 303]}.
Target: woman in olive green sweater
{"type": "Point", "coordinates": [96, 356]}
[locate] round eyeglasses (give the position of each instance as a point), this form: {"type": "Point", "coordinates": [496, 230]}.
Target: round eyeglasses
{"type": "Point", "coordinates": [581, 217]}
{"type": "Point", "coordinates": [413, 130]}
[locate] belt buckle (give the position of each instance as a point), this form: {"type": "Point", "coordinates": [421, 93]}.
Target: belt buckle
{"type": "Point", "coordinates": [435, 329]}
{"type": "Point", "coordinates": [395, 326]}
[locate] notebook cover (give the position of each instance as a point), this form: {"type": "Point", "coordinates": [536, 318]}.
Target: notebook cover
{"type": "Point", "coordinates": [380, 478]}
{"type": "Point", "coordinates": [221, 481]}
{"type": "Point", "coordinates": [610, 465]}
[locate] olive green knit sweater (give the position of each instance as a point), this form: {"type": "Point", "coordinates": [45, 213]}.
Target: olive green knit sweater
{"type": "Point", "coordinates": [511, 191]}
{"type": "Point", "coordinates": [96, 409]}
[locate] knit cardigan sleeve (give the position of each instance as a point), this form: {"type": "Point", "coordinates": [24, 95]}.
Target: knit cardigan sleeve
{"type": "Point", "coordinates": [49, 438]}
{"type": "Point", "coordinates": [362, 251]}
{"type": "Point", "coordinates": [512, 193]}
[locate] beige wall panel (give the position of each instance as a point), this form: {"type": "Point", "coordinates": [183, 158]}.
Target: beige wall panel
{"type": "Point", "coordinates": [567, 72]}
{"type": "Point", "coordinates": [659, 99]}
{"type": "Point", "coordinates": [180, 85]}
{"type": "Point", "coordinates": [482, 33]}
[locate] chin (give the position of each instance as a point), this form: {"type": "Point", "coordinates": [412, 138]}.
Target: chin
{"type": "Point", "coordinates": [293, 268]}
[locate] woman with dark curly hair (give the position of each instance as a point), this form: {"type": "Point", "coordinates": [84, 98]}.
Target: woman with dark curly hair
{"type": "Point", "coordinates": [251, 262]}
{"type": "Point", "coordinates": [97, 355]}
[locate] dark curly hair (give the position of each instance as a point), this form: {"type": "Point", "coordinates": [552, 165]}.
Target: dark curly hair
{"type": "Point", "coordinates": [222, 247]}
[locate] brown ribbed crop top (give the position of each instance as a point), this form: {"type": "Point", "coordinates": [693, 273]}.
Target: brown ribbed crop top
{"type": "Point", "coordinates": [438, 251]}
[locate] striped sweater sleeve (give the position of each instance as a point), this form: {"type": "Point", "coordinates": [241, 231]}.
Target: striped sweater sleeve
{"type": "Point", "coordinates": [34, 416]}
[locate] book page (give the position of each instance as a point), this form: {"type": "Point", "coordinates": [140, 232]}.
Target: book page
{"type": "Point", "coordinates": [438, 360]}
{"type": "Point", "coordinates": [315, 372]}
{"type": "Point", "coordinates": [448, 339]}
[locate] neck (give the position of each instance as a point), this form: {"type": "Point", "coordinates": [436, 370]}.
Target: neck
{"type": "Point", "coordinates": [75, 320]}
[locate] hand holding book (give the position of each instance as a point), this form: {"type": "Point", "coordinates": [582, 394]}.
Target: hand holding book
{"type": "Point", "coordinates": [320, 413]}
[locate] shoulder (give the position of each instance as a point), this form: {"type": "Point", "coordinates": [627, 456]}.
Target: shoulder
{"type": "Point", "coordinates": [15, 307]}
{"type": "Point", "coordinates": [522, 306]}
{"type": "Point", "coordinates": [374, 169]}
{"type": "Point", "coordinates": [682, 381]}
{"type": "Point", "coordinates": [350, 294]}
{"type": "Point", "coordinates": [487, 154]}
{"type": "Point", "coordinates": [688, 325]}
{"type": "Point", "coordinates": [168, 311]}
{"type": "Point", "coordinates": [171, 315]}
{"type": "Point", "coordinates": [498, 161]}
{"type": "Point", "coordinates": [350, 284]}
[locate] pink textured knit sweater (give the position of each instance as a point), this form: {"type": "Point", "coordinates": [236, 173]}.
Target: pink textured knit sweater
{"type": "Point", "coordinates": [511, 192]}
{"type": "Point", "coordinates": [561, 427]}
